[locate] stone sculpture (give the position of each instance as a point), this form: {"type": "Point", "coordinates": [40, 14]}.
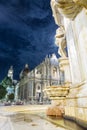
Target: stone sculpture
{"type": "Point", "coordinates": [56, 14]}
{"type": "Point", "coordinates": [68, 8]}
{"type": "Point", "coordinates": [60, 40]}
{"type": "Point", "coordinates": [81, 2]}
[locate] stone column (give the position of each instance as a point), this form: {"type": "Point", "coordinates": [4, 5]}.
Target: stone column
{"type": "Point", "coordinates": [80, 36]}
{"type": "Point", "coordinates": [16, 91]}
{"type": "Point", "coordinates": [32, 92]}
{"type": "Point", "coordinates": [72, 53]}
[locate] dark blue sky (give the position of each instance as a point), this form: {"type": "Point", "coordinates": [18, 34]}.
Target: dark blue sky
{"type": "Point", "coordinates": [27, 31]}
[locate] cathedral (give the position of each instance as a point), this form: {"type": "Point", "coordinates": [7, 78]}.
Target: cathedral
{"type": "Point", "coordinates": [32, 83]}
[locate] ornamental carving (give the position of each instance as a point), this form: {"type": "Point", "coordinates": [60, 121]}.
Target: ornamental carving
{"type": "Point", "coordinates": [56, 14]}
{"type": "Point", "coordinates": [60, 40]}
{"type": "Point", "coordinates": [67, 8]}
{"type": "Point", "coordinates": [81, 2]}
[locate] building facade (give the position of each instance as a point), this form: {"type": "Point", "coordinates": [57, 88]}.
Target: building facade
{"type": "Point", "coordinates": [45, 74]}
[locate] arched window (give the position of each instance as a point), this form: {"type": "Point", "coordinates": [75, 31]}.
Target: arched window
{"type": "Point", "coordinates": [54, 72]}
{"type": "Point", "coordinates": [38, 87]}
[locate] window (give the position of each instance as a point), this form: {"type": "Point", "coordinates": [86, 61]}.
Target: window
{"type": "Point", "coordinates": [54, 71]}
{"type": "Point", "coordinates": [38, 87]}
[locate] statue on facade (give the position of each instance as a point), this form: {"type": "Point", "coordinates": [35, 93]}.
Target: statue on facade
{"type": "Point", "coordinates": [24, 73]}
{"type": "Point", "coordinates": [60, 40]}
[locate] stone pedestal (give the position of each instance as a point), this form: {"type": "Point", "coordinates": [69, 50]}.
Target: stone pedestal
{"type": "Point", "coordinates": [57, 95]}
{"type": "Point", "coordinates": [76, 104]}
{"type": "Point", "coordinates": [64, 66]}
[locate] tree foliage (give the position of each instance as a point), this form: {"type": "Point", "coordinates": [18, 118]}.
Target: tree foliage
{"type": "Point", "coordinates": [11, 96]}
{"type": "Point", "coordinates": [2, 92]}
{"type": "Point", "coordinates": [7, 81]}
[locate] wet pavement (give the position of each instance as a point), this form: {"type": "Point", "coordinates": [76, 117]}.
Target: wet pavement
{"type": "Point", "coordinates": [35, 123]}
{"type": "Point", "coordinates": [32, 117]}
{"type": "Point", "coordinates": [30, 122]}
{"type": "Point", "coordinates": [68, 124]}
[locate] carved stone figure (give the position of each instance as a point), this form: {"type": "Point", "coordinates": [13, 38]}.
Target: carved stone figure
{"type": "Point", "coordinates": [81, 2]}
{"type": "Point", "coordinates": [68, 8]}
{"type": "Point", "coordinates": [56, 14]}
{"type": "Point", "coordinates": [60, 40]}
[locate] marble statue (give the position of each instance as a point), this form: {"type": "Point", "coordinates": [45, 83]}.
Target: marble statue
{"type": "Point", "coordinates": [56, 14]}
{"type": "Point", "coordinates": [81, 2]}
{"type": "Point", "coordinates": [60, 40]}
{"type": "Point", "coordinates": [67, 8]}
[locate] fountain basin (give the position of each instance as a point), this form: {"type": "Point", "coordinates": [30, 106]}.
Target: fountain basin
{"type": "Point", "coordinates": [56, 91]}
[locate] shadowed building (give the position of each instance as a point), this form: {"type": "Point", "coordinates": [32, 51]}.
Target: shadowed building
{"type": "Point", "coordinates": [23, 84]}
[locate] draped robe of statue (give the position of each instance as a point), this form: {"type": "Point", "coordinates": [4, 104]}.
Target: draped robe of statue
{"type": "Point", "coordinates": [60, 40]}
{"type": "Point", "coordinates": [67, 8]}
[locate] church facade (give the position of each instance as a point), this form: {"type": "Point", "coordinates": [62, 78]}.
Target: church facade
{"type": "Point", "coordinates": [45, 74]}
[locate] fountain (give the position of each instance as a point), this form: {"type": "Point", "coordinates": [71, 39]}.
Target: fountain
{"type": "Point", "coordinates": [57, 96]}
{"type": "Point", "coordinates": [58, 93]}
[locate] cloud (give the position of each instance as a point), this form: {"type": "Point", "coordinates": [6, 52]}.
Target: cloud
{"type": "Point", "coordinates": [27, 32]}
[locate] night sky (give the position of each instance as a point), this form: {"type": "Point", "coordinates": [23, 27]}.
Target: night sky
{"type": "Point", "coordinates": [27, 30]}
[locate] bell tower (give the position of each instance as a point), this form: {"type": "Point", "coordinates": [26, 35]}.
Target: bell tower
{"type": "Point", "coordinates": [10, 72]}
